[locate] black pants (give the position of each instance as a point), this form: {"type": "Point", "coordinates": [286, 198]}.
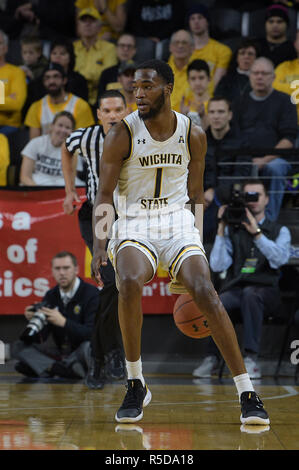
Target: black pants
{"type": "Point", "coordinates": [249, 304]}
{"type": "Point", "coordinates": [106, 333]}
{"type": "Point", "coordinates": [41, 357]}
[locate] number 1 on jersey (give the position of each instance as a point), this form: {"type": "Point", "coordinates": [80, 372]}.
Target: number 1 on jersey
{"type": "Point", "coordinates": [158, 183]}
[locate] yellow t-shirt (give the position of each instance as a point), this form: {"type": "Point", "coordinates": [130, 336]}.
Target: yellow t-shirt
{"type": "Point", "coordinates": [217, 55]}
{"type": "Point", "coordinates": [82, 112]}
{"type": "Point", "coordinates": [112, 4]}
{"type": "Point", "coordinates": [191, 101]}
{"type": "Point", "coordinates": [180, 84]}
{"type": "Point", "coordinates": [91, 63]}
{"type": "Point", "coordinates": [4, 159]}
{"type": "Point", "coordinates": [15, 92]}
{"type": "Point", "coordinates": [285, 74]}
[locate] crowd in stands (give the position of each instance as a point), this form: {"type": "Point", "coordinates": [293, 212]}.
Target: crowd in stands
{"type": "Point", "coordinates": [55, 59]}
{"type": "Point", "coordinates": [236, 69]}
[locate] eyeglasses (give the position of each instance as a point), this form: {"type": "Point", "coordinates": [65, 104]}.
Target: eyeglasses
{"type": "Point", "coordinates": [126, 46]}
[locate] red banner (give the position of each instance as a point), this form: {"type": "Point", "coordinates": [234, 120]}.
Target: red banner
{"type": "Point", "coordinates": [33, 228]}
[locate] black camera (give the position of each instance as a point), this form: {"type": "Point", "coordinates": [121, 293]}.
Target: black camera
{"type": "Point", "coordinates": [36, 323]}
{"type": "Point", "coordinates": [235, 212]}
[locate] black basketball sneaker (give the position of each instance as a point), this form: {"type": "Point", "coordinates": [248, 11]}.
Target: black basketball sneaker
{"type": "Point", "coordinates": [252, 409]}
{"type": "Point", "coordinates": [136, 398]}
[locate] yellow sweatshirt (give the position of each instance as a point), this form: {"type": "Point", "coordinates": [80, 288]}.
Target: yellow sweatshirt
{"type": "Point", "coordinates": [15, 91]}
{"type": "Point", "coordinates": [4, 159]}
{"type": "Point", "coordinates": [285, 74]}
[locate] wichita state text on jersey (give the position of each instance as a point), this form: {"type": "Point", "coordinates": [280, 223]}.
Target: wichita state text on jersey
{"type": "Point", "coordinates": [155, 173]}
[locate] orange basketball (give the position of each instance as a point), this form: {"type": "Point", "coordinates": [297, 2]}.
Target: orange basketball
{"type": "Point", "coordinates": [188, 319]}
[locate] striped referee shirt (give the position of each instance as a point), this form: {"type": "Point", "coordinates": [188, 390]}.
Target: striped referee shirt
{"type": "Point", "coordinates": [88, 142]}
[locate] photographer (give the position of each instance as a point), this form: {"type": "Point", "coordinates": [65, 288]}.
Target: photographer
{"type": "Point", "coordinates": [67, 313]}
{"type": "Point", "coordinates": [222, 168]}
{"type": "Point", "coordinates": [251, 252]}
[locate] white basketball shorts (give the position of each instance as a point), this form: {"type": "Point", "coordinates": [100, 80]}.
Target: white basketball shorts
{"type": "Point", "coordinates": [166, 239]}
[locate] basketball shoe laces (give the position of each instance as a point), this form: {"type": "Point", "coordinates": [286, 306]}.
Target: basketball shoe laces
{"type": "Point", "coordinates": [134, 396]}
{"type": "Point", "coordinates": [253, 402]}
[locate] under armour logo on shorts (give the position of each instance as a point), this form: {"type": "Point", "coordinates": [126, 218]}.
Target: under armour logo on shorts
{"type": "Point", "coordinates": [141, 140]}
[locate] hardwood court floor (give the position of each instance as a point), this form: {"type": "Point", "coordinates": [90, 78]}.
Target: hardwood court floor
{"type": "Point", "coordinates": [184, 414]}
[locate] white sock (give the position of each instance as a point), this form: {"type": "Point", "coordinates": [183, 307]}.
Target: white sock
{"type": "Point", "coordinates": [134, 370]}
{"type": "Point", "coordinates": [243, 384]}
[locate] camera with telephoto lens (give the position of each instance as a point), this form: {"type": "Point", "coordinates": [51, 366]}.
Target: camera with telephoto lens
{"type": "Point", "coordinates": [235, 212]}
{"type": "Point", "coordinates": [36, 323]}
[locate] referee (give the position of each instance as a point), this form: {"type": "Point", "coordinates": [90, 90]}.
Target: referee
{"type": "Point", "coordinates": [106, 344]}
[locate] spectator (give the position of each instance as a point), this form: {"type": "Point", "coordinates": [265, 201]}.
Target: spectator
{"type": "Point", "coordinates": [13, 81]}
{"type": "Point", "coordinates": [155, 19]}
{"type": "Point", "coordinates": [113, 16]}
{"type": "Point", "coordinates": [61, 52]}
{"type": "Point", "coordinates": [267, 119]}
{"type": "Point", "coordinates": [18, 19]}
{"type": "Point", "coordinates": [195, 100]}
{"type": "Point", "coordinates": [219, 176]}
{"type": "Point", "coordinates": [181, 47]}
{"type": "Point", "coordinates": [41, 113]}
{"type": "Point", "coordinates": [238, 71]}
{"type": "Point", "coordinates": [275, 45]}
{"type": "Point", "coordinates": [34, 63]}
{"type": "Point", "coordinates": [217, 55]}
{"type": "Point", "coordinates": [4, 159]}
{"type": "Point", "coordinates": [69, 310]}
{"type": "Point", "coordinates": [49, 20]}
{"type": "Point", "coordinates": [286, 73]}
{"type": "Point", "coordinates": [126, 73]}
{"type": "Point", "coordinates": [252, 255]}
{"type": "Point", "coordinates": [93, 54]}
{"type": "Point", "coordinates": [125, 51]}
{"type": "Point", "coordinates": [41, 163]}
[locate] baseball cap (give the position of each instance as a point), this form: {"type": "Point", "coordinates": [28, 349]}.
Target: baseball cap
{"type": "Point", "coordinates": [55, 66]}
{"type": "Point", "coordinates": [277, 10]}
{"type": "Point", "coordinates": [90, 11]}
{"type": "Point", "coordinates": [125, 66]}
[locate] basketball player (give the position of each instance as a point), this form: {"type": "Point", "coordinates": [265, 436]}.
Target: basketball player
{"type": "Point", "coordinates": [106, 342]}
{"type": "Point", "coordinates": [155, 159]}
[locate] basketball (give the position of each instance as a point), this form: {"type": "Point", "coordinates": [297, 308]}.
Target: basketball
{"type": "Point", "coordinates": [188, 319]}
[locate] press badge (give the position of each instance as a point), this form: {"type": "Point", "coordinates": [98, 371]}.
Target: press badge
{"type": "Point", "coordinates": [249, 265]}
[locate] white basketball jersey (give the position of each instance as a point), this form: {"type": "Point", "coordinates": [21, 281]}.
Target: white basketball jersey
{"type": "Point", "coordinates": [154, 176]}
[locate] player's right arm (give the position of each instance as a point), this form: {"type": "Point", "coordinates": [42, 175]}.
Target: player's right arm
{"type": "Point", "coordinates": [69, 163]}
{"type": "Point", "coordinates": [116, 149]}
